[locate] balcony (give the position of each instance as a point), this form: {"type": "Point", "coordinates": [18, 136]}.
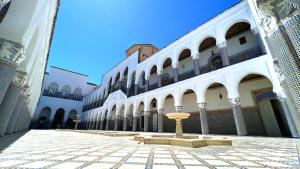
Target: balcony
{"type": "Point", "coordinates": [58, 94]}
{"type": "Point", "coordinates": [245, 55]}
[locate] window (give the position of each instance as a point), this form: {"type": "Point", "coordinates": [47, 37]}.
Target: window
{"type": "Point", "coordinates": [66, 90]}
{"type": "Point", "coordinates": [53, 87]}
{"type": "Point", "coordinates": [243, 40]}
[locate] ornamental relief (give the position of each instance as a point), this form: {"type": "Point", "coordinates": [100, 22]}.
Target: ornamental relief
{"type": "Point", "coordinates": [272, 11]}
{"type": "Point", "coordinates": [11, 52]}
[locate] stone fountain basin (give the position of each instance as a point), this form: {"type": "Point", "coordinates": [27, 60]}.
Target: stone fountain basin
{"type": "Point", "coordinates": [185, 142]}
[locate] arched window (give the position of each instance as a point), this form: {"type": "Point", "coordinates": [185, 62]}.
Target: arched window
{"type": "Point", "coordinates": [53, 88]}
{"type": "Point", "coordinates": [66, 90]}
{"type": "Point", "coordinates": [77, 92]}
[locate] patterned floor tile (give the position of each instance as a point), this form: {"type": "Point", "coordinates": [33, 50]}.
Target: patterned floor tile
{"type": "Point", "coordinates": [37, 164]}
{"type": "Point", "coordinates": [68, 165]}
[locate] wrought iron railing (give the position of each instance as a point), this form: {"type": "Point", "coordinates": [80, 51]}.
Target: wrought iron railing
{"type": "Point", "coordinates": [58, 94]}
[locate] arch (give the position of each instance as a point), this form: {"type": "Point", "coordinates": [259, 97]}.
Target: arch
{"type": "Point", "coordinates": [237, 28]}
{"type": "Point", "coordinates": [213, 85]}
{"type": "Point", "coordinates": [44, 118]}
{"type": "Point", "coordinates": [183, 92]}
{"type": "Point", "coordinates": [66, 90]}
{"type": "Point", "coordinates": [77, 91]}
{"type": "Point", "coordinates": [53, 87]}
{"type": "Point", "coordinates": [219, 111]}
{"type": "Point", "coordinates": [189, 105]}
{"type": "Point", "coordinates": [207, 43]}
{"type": "Point", "coordinates": [186, 67]}
{"type": "Point", "coordinates": [169, 107]}
{"type": "Point", "coordinates": [58, 118]}
{"type": "Point", "coordinates": [153, 78]}
{"type": "Point", "coordinates": [153, 104]}
{"type": "Point", "coordinates": [167, 76]}
{"type": "Point", "coordinates": [73, 115]}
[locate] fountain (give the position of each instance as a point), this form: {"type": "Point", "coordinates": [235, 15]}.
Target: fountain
{"type": "Point", "coordinates": [193, 141]}
{"type": "Point", "coordinates": [178, 117]}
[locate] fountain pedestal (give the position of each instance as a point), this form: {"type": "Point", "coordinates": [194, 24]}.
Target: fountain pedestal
{"type": "Point", "coordinates": [178, 117]}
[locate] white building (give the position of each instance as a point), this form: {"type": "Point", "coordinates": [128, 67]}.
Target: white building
{"type": "Point", "coordinates": [222, 73]}
{"type": "Point", "coordinates": [26, 28]}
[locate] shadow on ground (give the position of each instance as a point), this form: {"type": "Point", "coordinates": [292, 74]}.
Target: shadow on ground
{"type": "Point", "coordinates": [7, 140]}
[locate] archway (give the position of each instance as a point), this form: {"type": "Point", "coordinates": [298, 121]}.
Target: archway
{"type": "Point", "coordinates": [121, 118]}
{"type": "Point", "coordinates": [70, 124]}
{"type": "Point", "coordinates": [189, 103]}
{"type": "Point", "coordinates": [153, 116]}
{"type": "Point", "coordinates": [124, 81]}
{"type": "Point", "coordinates": [169, 125]}
{"type": "Point", "coordinates": [142, 83]}
{"type": "Point", "coordinates": [65, 91]}
{"type": "Point", "coordinates": [112, 118]}
{"type": "Point", "coordinates": [219, 112]}
{"type": "Point", "coordinates": [130, 118]}
{"type": "Point", "coordinates": [117, 82]}
{"type": "Point", "coordinates": [267, 117]}
{"type": "Point", "coordinates": [110, 87]}
{"type": "Point", "coordinates": [140, 121]}
{"type": "Point", "coordinates": [185, 65]}
{"type": "Point", "coordinates": [153, 79]}
{"type": "Point", "coordinates": [167, 76]}
{"type": "Point", "coordinates": [58, 118]}
{"type": "Point", "coordinates": [44, 118]}
{"type": "Point", "coordinates": [132, 85]}
{"type": "Point", "coordinates": [207, 50]}
{"type": "Point", "coordinates": [242, 44]}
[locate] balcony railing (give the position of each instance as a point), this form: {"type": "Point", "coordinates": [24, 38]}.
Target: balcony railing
{"type": "Point", "coordinates": [245, 55]}
{"type": "Point", "coordinates": [58, 94]}
{"type": "Point", "coordinates": [186, 75]}
{"type": "Point", "coordinates": [167, 80]}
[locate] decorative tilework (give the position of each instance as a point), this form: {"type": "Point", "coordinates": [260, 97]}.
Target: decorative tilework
{"type": "Point", "coordinates": [56, 149]}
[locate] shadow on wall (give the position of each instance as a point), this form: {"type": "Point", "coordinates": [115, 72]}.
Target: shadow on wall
{"type": "Point", "coordinates": [7, 140]}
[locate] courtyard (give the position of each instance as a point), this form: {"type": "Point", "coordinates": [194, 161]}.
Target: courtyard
{"type": "Point", "coordinates": [69, 149]}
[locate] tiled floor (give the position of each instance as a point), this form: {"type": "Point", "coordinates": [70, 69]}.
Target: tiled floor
{"type": "Point", "coordinates": [66, 149]}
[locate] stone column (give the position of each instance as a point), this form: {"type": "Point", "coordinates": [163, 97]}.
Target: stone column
{"type": "Point", "coordinates": [288, 116]}
{"type": "Point", "coordinates": [260, 42]}
{"type": "Point", "coordinates": [136, 89]}
{"type": "Point", "coordinates": [203, 118]}
{"type": "Point", "coordinates": [238, 117]}
{"type": "Point", "coordinates": [107, 123]}
{"type": "Point", "coordinates": [11, 55]}
{"type": "Point", "coordinates": [147, 85]}
{"type": "Point", "coordinates": [175, 74]}
{"type": "Point", "coordinates": [160, 120]}
{"type": "Point", "coordinates": [224, 54]}
{"type": "Point", "coordinates": [134, 125]}
{"type": "Point", "coordinates": [146, 121]}
{"type": "Point", "coordinates": [159, 80]}
{"type": "Point", "coordinates": [196, 66]}
{"type": "Point", "coordinates": [117, 118]}
{"type": "Point", "coordinates": [8, 104]}
{"type": "Point", "coordinates": [125, 122]}
{"type": "Point", "coordinates": [17, 110]}
{"type": "Point", "coordinates": [19, 119]}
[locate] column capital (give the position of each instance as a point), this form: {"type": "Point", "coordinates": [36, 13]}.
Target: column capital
{"type": "Point", "coordinates": [20, 79]}
{"type": "Point", "coordinates": [222, 44]}
{"type": "Point", "coordinates": [146, 113]}
{"type": "Point", "coordinates": [235, 102]}
{"type": "Point", "coordinates": [202, 105]}
{"type": "Point", "coordinates": [178, 108]}
{"type": "Point", "coordinates": [281, 97]}
{"type": "Point", "coordinates": [11, 52]}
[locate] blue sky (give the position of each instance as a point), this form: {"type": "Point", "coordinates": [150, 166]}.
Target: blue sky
{"type": "Point", "coordinates": [91, 36]}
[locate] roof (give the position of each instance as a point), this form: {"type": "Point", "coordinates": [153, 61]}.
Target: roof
{"type": "Point", "coordinates": [69, 71]}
